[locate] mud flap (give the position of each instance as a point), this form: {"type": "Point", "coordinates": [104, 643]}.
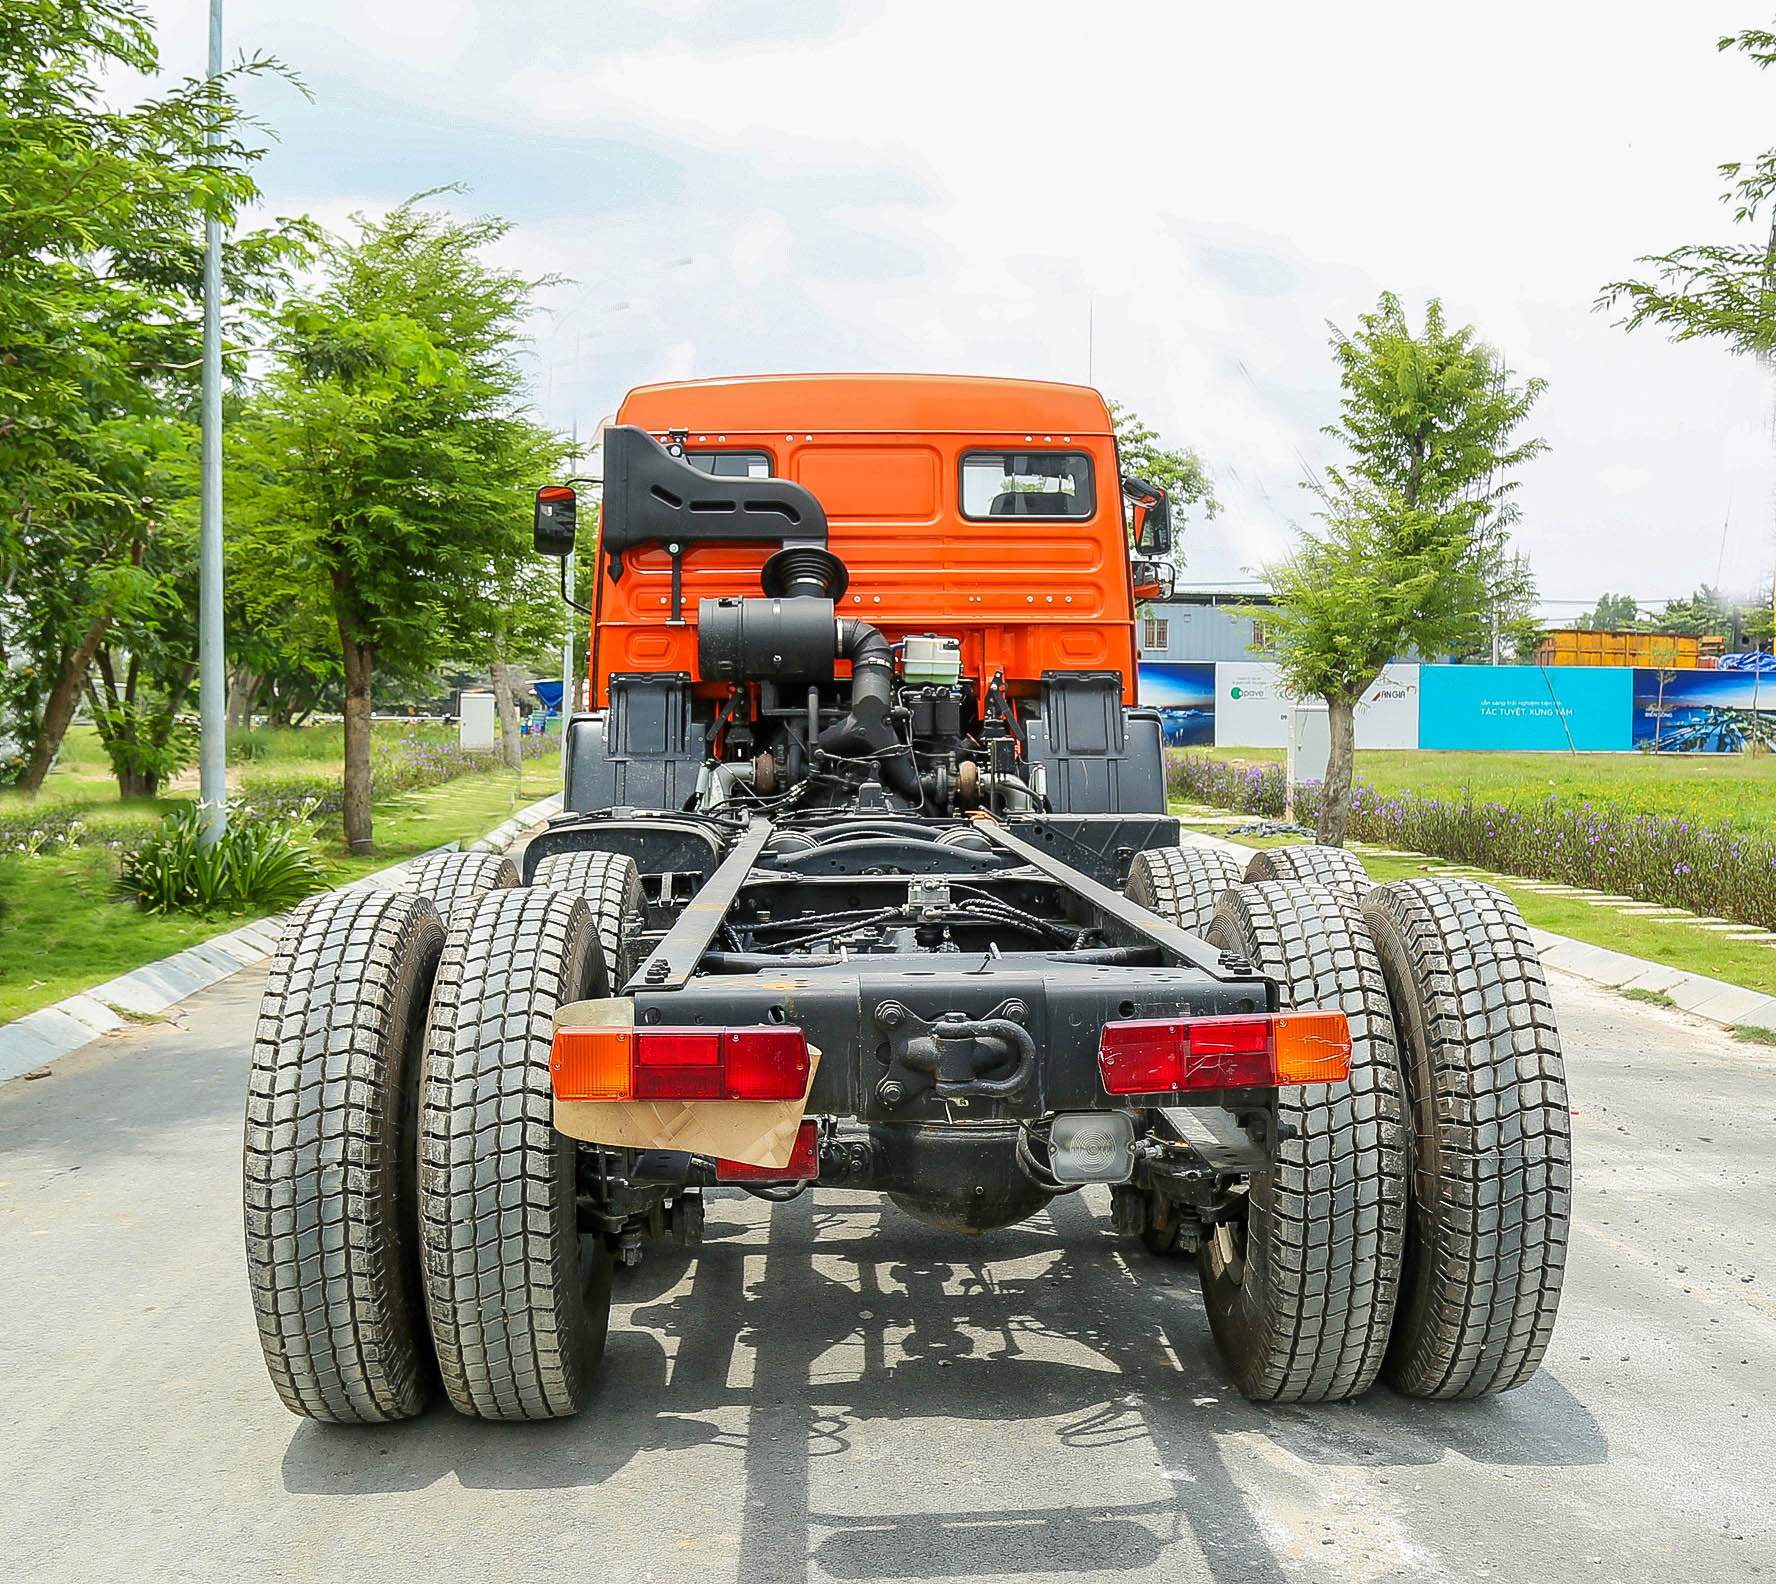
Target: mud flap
{"type": "Point", "coordinates": [753, 1132]}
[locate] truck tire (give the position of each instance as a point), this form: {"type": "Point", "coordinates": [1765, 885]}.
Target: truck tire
{"type": "Point", "coordinates": [1182, 884]}
{"type": "Point", "coordinates": [1301, 1296]}
{"type": "Point", "coordinates": [1492, 1171]}
{"type": "Point", "coordinates": [453, 878]}
{"type": "Point", "coordinates": [611, 885]}
{"type": "Point", "coordinates": [519, 1301]}
{"type": "Point", "coordinates": [1331, 867]}
{"type": "Point", "coordinates": [329, 1157]}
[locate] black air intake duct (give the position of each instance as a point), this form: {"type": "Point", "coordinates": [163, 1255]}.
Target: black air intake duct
{"type": "Point", "coordinates": [866, 732]}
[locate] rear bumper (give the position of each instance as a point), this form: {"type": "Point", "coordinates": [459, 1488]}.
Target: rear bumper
{"type": "Point", "coordinates": [1030, 1029]}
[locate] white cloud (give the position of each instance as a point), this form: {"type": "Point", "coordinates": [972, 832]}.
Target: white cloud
{"type": "Point", "coordinates": [923, 184]}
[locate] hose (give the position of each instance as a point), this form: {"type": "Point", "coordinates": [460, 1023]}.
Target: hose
{"type": "Point", "coordinates": [866, 730]}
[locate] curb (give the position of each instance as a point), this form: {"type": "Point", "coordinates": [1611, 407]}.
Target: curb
{"type": "Point", "coordinates": [1714, 1000]}
{"type": "Point", "coordinates": [40, 1037]}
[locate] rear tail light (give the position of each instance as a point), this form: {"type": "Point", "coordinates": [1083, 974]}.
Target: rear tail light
{"type": "Point", "coordinates": [1163, 1055]}
{"type": "Point", "coordinates": [622, 1063]}
{"type": "Point", "coordinates": [804, 1163]}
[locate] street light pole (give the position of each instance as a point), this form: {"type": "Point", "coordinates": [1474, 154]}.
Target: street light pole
{"type": "Point", "coordinates": [570, 685]}
{"type": "Point", "coordinates": [212, 702]}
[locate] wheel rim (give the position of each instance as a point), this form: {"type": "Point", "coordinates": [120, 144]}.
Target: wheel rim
{"type": "Point", "coordinates": [1227, 1252]}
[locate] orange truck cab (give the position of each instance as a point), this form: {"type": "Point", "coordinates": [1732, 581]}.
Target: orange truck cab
{"type": "Point", "coordinates": [969, 536]}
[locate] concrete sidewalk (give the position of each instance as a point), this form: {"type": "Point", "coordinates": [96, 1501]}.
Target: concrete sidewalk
{"type": "Point", "coordinates": [1713, 999]}
{"type": "Point", "coordinates": [40, 1037]}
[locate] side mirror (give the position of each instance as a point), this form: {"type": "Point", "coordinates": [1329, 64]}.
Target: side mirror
{"type": "Point", "coordinates": [1155, 580]}
{"type": "Point", "coordinates": [1152, 517]}
{"type": "Point", "coordinates": [557, 514]}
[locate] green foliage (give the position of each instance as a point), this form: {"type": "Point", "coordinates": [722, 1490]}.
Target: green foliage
{"type": "Point", "coordinates": [1716, 291]}
{"type": "Point", "coordinates": [1712, 868]}
{"type": "Point", "coordinates": [1413, 550]}
{"type": "Point", "coordinates": [1614, 613]}
{"type": "Point", "coordinates": [147, 743]}
{"type": "Point", "coordinates": [102, 211]}
{"type": "Point", "coordinates": [390, 440]}
{"type": "Point", "coordinates": [1706, 611]}
{"type": "Point", "coordinates": [390, 464]}
{"type": "Point", "coordinates": [261, 863]}
{"type": "Point", "coordinates": [1178, 470]}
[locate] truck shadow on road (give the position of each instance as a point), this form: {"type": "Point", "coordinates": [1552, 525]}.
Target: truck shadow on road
{"type": "Point", "coordinates": [794, 1336]}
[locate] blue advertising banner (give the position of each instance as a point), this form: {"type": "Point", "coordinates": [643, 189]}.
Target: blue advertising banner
{"type": "Point", "coordinates": [1705, 711]}
{"type": "Point", "coordinates": [1548, 709]}
{"type": "Point", "coordinates": [1183, 692]}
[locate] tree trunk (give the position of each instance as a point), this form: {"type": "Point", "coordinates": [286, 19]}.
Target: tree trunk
{"type": "Point", "coordinates": [511, 754]}
{"type": "Point", "coordinates": [360, 659]}
{"type": "Point", "coordinates": [1335, 790]}
{"type": "Point", "coordinates": [243, 686]}
{"type": "Point", "coordinates": [58, 710]}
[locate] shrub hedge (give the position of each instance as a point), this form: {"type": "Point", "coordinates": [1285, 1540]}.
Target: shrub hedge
{"type": "Point", "coordinates": [1711, 868]}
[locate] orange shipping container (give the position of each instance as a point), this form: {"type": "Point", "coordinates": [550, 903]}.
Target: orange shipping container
{"type": "Point", "coordinates": [1667, 651]}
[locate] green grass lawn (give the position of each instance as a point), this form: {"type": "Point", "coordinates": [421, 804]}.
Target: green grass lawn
{"type": "Point", "coordinates": [1713, 787]}
{"type": "Point", "coordinates": [64, 928]}
{"type": "Point", "coordinates": [1671, 943]}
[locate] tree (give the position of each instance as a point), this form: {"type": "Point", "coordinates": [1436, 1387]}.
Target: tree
{"type": "Point", "coordinates": [1178, 470]}
{"type": "Point", "coordinates": [1614, 612]}
{"type": "Point", "coordinates": [1708, 610]}
{"type": "Point", "coordinates": [397, 458]}
{"type": "Point", "coordinates": [1413, 548]}
{"type": "Point", "coordinates": [101, 235]}
{"type": "Point", "coordinates": [1717, 291]}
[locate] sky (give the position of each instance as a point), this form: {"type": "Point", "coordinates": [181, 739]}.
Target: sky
{"type": "Point", "coordinates": [1169, 200]}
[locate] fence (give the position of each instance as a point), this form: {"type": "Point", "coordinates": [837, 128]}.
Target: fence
{"type": "Point", "coordinates": [1546, 709]}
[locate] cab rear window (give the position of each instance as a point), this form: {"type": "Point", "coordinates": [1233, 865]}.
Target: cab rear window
{"type": "Point", "coordinates": [731, 464]}
{"type": "Point", "coordinates": [1052, 484]}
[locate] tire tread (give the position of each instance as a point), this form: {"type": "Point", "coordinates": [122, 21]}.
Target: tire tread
{"type": "Point", "coordinates": [1332, 1211]}
{"type": "Point", "coordinates": [327, 1178]}
{"type": "Point", "coordinates": [1492, 1180]}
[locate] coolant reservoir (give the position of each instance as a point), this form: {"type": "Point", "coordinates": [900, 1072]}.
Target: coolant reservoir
{"type": "Point", "coordinates": [927, 660]}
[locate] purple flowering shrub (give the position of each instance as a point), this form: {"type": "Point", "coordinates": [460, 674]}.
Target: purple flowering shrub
{"type": "Point", "coordinates": [1709, 868]}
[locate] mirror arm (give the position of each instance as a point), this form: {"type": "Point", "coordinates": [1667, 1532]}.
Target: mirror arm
{"type": "Point", "coordinates": [568, 599]}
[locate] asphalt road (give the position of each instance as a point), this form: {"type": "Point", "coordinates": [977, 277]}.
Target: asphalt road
{"type": "Point", "coordinates": [832, 1391]}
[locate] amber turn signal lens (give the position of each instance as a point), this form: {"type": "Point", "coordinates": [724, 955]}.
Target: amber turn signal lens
{"type": "Point", "coordinates": [1311, 1047]}
{"type": "Point", "coordinates": [593, 1063]}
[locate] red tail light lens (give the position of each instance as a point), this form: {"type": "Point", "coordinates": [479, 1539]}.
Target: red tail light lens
{"type": "Point", "coordinates": [621, 1063]}
{"type": "Point", "coordinates": [804, 1163]}
{"type": "Point", "coordinates": [678, 1064]}
{"type": "Point", "coordinates": [1228, 1053]}
{"type": "Point", "coordinates": [1169, 1055]}
{"type": "Point", "coordinates": [766, 1063]}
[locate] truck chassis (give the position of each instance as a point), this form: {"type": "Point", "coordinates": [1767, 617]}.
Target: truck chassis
{"type": "Point", "coordinates": [915, 927]}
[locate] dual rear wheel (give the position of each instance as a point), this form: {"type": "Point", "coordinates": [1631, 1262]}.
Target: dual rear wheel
{"type": "Point", "coordinates": [411, 1213]}
{"type": "Point", "coordinates": [1414, 1220]}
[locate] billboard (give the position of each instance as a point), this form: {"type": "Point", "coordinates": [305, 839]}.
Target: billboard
{"type": "Point", "coordinates": [1704, 711]}
{"type": "Point", "coordinates": [1549, 709]}
{"type": "Point", "coordinates": [1183, 691]}
{"type": "Point", "coordinates": [1252, 707]}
